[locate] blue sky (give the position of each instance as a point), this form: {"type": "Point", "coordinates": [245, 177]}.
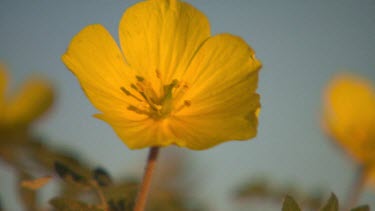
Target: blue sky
{"type": "Point", "coordinates": [302, 44]}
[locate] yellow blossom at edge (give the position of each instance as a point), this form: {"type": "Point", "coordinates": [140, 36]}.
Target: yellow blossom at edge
{"type": "Point", "coordinates": [349, 116]}
{"type": "Point", "coordinates": [19, 109]}
{"type": "Point", "coordinates": [171, 82]}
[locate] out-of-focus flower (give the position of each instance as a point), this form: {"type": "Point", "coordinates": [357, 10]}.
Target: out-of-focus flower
{"type": "Point", "coordinates": [172, 83]}
{"type": "Point", "coordinates": [19, 109]}
{"type": "Point", "coordinates": [349, 117]}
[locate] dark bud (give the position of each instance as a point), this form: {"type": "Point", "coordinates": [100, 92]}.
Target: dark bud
{"type": "Point", "coordinates": [65, 172]}
{"type": "Point", "coordinates": [102, 177]}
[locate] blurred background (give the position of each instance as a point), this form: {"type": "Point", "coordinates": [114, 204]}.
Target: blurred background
{"type": "Point", "coordinates": [302, 44]}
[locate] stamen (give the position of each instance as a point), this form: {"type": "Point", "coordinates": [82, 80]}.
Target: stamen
{"type": "Point", "coordinates": [125, 90]}
{"type": "Point", "coordinates": [134, 87]}
{"type": "Point", "coordinates": [139, 78]}
{"type": "Point", "coordinates": [128, 93]}
{"type": "Point", "coordinates": [183, 87]}
{"type": "Point", "coordinates": [149, 101]}
{"type": "Point", "coordinates": [187, 103]}
{"type": "Point", "coordinates": [137, 110]}
{"type": "Point", "coordinates": [161, 104]}
{"type": "Point", "coordinates": [146, 91]}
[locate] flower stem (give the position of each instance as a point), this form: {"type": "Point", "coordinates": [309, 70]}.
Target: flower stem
{"type": "Point", "coordinates": [145, 186]}
{"type": "Point", "coordinates": [357, 188]}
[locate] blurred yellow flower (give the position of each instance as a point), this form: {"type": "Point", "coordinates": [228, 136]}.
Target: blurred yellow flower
{"type": "Point", "coordinates": [29, 103]}
{"type": "Point", "coordinates": [349, 116]}
{"type": "Point", "coordinates": [171, 82]}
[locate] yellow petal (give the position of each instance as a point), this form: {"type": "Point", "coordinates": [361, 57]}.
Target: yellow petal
{"type": "Point", "coordinates": [95, 59]}
{"type": "Point", "coordinates": [206, 131]}
{"type": "Point", "coordinates": [33, 99]}
{"type": "Point", "coordinates": [222, 79]}
{"type": "Point", "coordinates": [350, 116]}
{"type": "Point", "coordinates": [224, 67]}
{"type": "Point", "coordinates": [162, 36]}
{"type": "Point", "coordinates": [140, 134]}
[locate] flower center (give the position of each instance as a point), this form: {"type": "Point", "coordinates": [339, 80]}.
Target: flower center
{"type": "Point", "coordinates": [157, 105]}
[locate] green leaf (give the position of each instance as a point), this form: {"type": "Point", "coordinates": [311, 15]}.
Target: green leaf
{"type": "Point", "coordinates": [332, 204]}
{"type": "Point", "coordinates": [361, 208]}
{"type": "Point", "coordinates": [290, 205]}
{"type": "Point", "coordinates": [65, 204]}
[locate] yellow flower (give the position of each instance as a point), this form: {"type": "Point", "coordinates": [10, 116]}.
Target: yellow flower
{"type": "Point", "coordinates": [171, 82]}
{"type": "Point", "coordinates": [30, 102]}
{"type": "Point", "coordinates": [349, 116]}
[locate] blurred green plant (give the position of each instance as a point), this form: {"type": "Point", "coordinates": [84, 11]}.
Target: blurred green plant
{"type": "Point", "coordinates": [332, 204]}
{"type": "Point", "coordinates": [121, 195]}
{"type": "Point", "coordinates": [262, 190]}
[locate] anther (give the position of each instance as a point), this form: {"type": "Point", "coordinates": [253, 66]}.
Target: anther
{"type": "Point", "coordinates": [125, 90]}
{"type": "Point", "coordinates": [137, 110]}
{"type": "Point", "coordinates": [128, 93]}
{"type": "Point", "coordinates": [139, 78]}
{"type": "Point", "coordinates": [134, 87]}
{"type": "Point", "coordinates": [184, 86]}
{"type": "Point", "coordinates": [181, 89]}
{"type": "Point", "coordinates": [187, 103]}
